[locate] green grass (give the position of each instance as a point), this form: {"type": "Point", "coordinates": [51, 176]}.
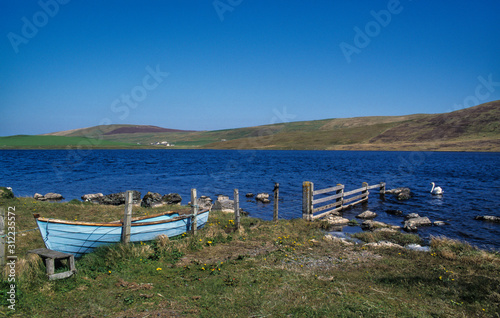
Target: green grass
{"type": "Point", "coordinates": [284, 269]}
{"type": "Point", "coordinates": [34, 141]}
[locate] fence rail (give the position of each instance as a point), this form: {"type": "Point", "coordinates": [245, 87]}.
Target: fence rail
{"type": "Point", "coordinates": [342, 200]}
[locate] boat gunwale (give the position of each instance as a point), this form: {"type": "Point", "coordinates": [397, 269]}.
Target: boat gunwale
{"type": "Point", "coordinates": [117, 223]}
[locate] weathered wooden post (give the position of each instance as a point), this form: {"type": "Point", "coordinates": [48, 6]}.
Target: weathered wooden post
{"type": "Point", "coordinates": [340, 199]}
{"type": "Point", "coordinates": [237, 219]}
{"type": "Point", "coordinates": [129, 200]}
{"type": "Point", "coordinates": [365, 191]}
{"type": "Point", "coordinates": [276, 199]}
{"type": "Point", "coordinates": [382, 190]}
{"type": "Point", "coordinates": [307, 196]}
{"type": "Point", "coordinates": [194, 209]}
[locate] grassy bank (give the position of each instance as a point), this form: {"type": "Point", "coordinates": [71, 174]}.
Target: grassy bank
{"type": "Point", "coordinates": [267, 269]}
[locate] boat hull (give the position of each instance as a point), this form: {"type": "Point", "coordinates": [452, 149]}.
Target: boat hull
{"type": "Point", "coordinates": [79, 238]}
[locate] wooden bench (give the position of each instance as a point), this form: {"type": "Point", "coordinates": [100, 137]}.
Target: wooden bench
{"type": "Point", "coordinates": [49, 256]}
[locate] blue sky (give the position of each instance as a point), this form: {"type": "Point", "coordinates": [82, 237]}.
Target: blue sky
{"type": "Point", "coordinates": [207, 65]}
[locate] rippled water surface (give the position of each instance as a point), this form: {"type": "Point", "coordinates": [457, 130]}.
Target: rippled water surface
{"type": "Point", "coordinates": [471, 181]}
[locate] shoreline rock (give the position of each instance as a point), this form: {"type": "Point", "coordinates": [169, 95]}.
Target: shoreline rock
{"type": "Point", "coordinates": [91, 197]}
{"type": "Point", "coordinates": [48, 197]}
{"type": "Point", "coordinates": [6, 193]}
{"type": "Point", "coordinates": [118, 198]}
{"type": "Point", "coordinates": [412, 224]}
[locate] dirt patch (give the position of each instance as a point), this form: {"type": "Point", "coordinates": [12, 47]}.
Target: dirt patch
{"type": "Point", "coordinates": [225, 252]}
{"type": "Point", "coordinates": [142, 129]}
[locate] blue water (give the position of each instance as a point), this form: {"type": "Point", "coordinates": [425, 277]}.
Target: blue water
{"type": "Point", "coordinates": [471, 181]}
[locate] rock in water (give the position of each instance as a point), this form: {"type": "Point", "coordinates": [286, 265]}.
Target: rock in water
{"type": "Point", "coordinates": [394, 212]}
{"type": "Point", "coordinates": [367, 215]}
{"type": "Point", "coordinates": [401, 193]}
{"type": "Point", "coordinates": [489, 218]}
{"type": "Point", "coordinates": [263, 197]}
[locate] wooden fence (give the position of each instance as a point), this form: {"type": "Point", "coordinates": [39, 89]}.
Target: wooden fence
{"type": "Point", "coordinates": [336, 200]}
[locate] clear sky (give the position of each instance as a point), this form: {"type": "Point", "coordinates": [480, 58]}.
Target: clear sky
{"type": "Point", "coordinates": [206, 65]}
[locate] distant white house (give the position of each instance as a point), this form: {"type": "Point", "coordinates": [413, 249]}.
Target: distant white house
{"type": "Point", "coordinates": [162, 143]}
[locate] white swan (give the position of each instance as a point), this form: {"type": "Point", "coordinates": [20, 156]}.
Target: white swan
{"type": "Point", "coordinates": [436, 190]}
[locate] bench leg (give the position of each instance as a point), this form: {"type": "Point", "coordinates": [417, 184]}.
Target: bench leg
{"type": "Point", "coordinates": [49, 263]}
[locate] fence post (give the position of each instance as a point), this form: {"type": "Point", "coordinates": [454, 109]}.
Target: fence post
{"type": "Point", "coordinates": [194, 208]}
{"type": "Point", "coordinates": [276, 199]}
{"type": "Point", "coordinates": [237, 219]}
{"type": "Point", "coordinates": [127, 220]}
{"type": "Point", "coordinates": [365, 191]}
{"type": "Point", "coordinates": [382, 190]}
{"type": "Point", "coordinates": [341, 198]}
{"type": "Point", "coordinates": [307, 194]}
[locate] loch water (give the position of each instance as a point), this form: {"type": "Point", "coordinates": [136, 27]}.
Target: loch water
{"type": "Point", "coordinates": [471, 181]}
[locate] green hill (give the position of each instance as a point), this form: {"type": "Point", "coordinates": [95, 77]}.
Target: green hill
{"type": "Point", "coordinates": [34, 141]}
{"type": "Point", "coordinates": [471, 129]}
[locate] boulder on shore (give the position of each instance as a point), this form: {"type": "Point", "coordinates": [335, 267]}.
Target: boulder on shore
{"type": "Point", "coordinates": [91, 196]}
{"type": "Point", "coordinates": [224, 206]}
{"type": "Point", "coordinates": [489, 218]}
{"type": "Point", "coordinates": [336, 220]}
{"type": "Point", "coordinates": [172, 198]}
{"type": "Point", "coordinates": [119, 198]}
{"type": "Point", "coordinates": [205, 203]}
{"type": "Point", "coordinates": [152, 200]}
{"type": "Point", "coordinates": [371, 225]}
{"type": "Point", "coordinates": [48, 197]}
{"type": "Point", "coordinates": [6, 193]}
{"type": "Point", "coordinates": [412, 224]}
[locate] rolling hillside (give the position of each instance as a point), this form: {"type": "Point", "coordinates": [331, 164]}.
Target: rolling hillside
{"type": "Point", "coordinates": [471, 129]}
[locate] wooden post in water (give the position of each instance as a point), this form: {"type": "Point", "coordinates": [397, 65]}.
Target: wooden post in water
{"type": "Point", "coordinates": [365, 191]}
{"type": "Point", "coordinates": [382, 190]}
{"type": "Point", "coordinates": [276, 199]}
{"type": "Point", "coordinates": [127, 219]}
{"type": "Point", "coordinates": [307, 191]}
{"type": "Point", "coordinates": [194, 209]}
{"type": "Point", "coordinates": [341, 197]}
{"type": "Point", "coordinates": [237, 217]}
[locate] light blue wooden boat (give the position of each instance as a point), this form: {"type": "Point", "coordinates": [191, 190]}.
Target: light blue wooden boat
{"type": "Point", "coordinates": [78, 238]}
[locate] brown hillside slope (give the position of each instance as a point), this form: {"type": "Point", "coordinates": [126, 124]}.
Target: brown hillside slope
{"type": "Point", "coordinates": [477, 122]}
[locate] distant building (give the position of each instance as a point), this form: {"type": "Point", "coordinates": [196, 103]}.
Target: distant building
{"type": "Point", "coordinates": [162, 143]}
